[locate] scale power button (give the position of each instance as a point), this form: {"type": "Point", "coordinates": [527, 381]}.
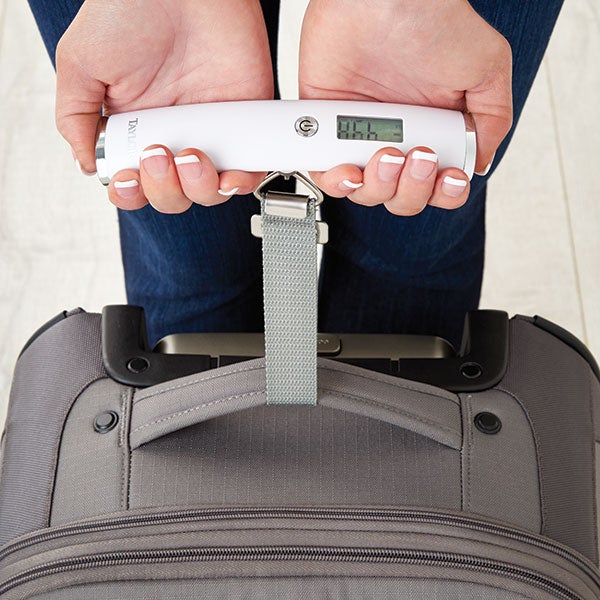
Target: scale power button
{"type": "Point", "coordinates": [307, 126]}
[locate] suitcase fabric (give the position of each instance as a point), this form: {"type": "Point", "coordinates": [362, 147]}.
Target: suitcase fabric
{"type": "Point", "coordinates": [194, 488]}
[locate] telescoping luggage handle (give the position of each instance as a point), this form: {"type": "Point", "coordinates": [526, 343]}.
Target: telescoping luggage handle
{"type": "Point", "coordinates": [310, 135]}
{"type": "Point", "coordinates": [480, 363]}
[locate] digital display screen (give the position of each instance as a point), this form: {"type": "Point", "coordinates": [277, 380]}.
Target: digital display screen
{"type": "Point", "coordinates": [370, 128]}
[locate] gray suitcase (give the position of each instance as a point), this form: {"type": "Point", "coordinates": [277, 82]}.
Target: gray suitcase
{"type": "Point", "coordinates": [134, 474]}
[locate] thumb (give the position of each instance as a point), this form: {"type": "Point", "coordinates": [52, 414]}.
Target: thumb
{"type": "Point", "coordinates": [492, 113]}
{"type": "Point", "coordinates": [491, 130]}
{"type": "Point", "coordinates": [79, 99]}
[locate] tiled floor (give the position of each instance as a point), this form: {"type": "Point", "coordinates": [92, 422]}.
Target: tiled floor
{"type": "Point", "coordinates": [58, 234]}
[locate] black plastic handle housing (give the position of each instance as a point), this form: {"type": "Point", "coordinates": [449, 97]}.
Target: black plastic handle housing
{"type": "Point", "coordinates": [480, 364]}
{"type": "Point", "coordinates": [127, 357]}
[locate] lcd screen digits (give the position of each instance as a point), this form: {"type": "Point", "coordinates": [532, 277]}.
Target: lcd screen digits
{"type": "Point", "coordinates": [370, 129]}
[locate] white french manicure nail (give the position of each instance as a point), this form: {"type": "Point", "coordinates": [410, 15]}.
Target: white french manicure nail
{"type": "Point", "coordinates": [351, 184]}
{"type": "Point", "coordinates": [452, 187]}
{"type": "Point", "coordinates": [390, 158]}
{"type": "Point", "coordinates": [423, 165]}
{"type": "Point", "coordinates": [126, 184]}
{"type": "Point", "coordinates": [187, 159]}
{"type": "Point", "coordinates": [153, 152]}
{"type": "Point", "coordinates": [487, 169]}
{"type": "Point", "coordinates": [228, 192]}
{"type": "Point", "coordinates": [127, 189]}
{"type": "Point", "coordinates": [420, 155]}
{"type": "Point", "coordinates": [456, 182]}
{"type": "Point", "coordinates": [80, 169]}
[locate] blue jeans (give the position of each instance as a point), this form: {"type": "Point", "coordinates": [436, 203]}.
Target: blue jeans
{"type": "Point", "coordinates": [201, 270]}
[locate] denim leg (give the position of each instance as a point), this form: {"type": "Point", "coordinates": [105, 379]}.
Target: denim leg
{"type": "Point", "coordinates": [197, 271]}
{"type": "Point", "coordinates": [383, 273]}
{"type": "Point", "coordinates": [52, 18]}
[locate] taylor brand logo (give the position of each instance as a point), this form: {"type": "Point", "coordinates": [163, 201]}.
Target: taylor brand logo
{"type": "Point", "coordinates": [131, 136]}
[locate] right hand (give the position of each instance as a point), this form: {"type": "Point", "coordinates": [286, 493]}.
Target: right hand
{"type": "Point", "coordinates": [424, 52]}
{"type": "Point", "coordinates": [120, 55]}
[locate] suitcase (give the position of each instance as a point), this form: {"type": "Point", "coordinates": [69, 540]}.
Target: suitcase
{"type": "Point", "coordinates": [421, 474]}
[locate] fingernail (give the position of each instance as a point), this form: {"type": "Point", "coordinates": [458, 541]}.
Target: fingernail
{"type": "Point", "coordinates": [389, 167]}
{"type": "Point", "coordinates": [80, 169]}
{"type": "Point", "coordinates": [155, 162]}
{"type": "Point", "coordinates": [127, 189]}
{"type": "Point", "coordinates": [189, 166]}
{"type": "Point", "coordinates": [453, 187]}
{"type": "Point", "coordinates": [422, 164]}
{"type": "Point", "coordinates": [228, 192]}
{"type": "Point", "coordinates": [349, 185]}
{"type": "Point", "coordinates": [485, 171]}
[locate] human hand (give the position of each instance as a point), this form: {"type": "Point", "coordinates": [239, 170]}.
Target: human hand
{"type": "Point", "coordinates": [424, 52]}
{"type": "Point", "coordinates": [124, 56]}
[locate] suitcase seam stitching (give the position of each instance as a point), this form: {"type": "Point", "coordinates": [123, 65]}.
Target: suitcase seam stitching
{"type": "Point", "coordinates": [196, 408]}
{"type": "Point", "coordinates": [469, 453]}
{"type": "Point", "coordinates": [396, 385]}
{"type": "Point", "coordinates": [595, 505]}
{"type": "Point", "coordinates": [393, 409]}
{"type": "Point", "coordinates": [539, 456]}
{"type": "Point", "coordinates": [194, 382]}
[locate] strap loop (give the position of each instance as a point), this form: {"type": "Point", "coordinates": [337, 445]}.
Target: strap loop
{"type": "Point", "coordinates": [290, 235]}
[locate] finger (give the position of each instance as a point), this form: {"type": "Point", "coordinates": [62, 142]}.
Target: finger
{"type": "Point", "coordinates": [158, 176]}
{"type": "Point", "coordinates": [239, 182]}
{"type": "Point", "coordinates": [451, 189]}
{"type": "Point", "coordinates": [201, 183]}
{"type": "Point", "coordinates": [416, 183]}
{"type": "Point", "coordinates": [79, 99]}
{"type": "Point", "coordinates": [198, 177]}
{"type": "Point", "coordinates": [125, 190]}
{"type": "Point", "coordinates": [339, 181]}
{"type": "Point", "coordinates": [380, 178]}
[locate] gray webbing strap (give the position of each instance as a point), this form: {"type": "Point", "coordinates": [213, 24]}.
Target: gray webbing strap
{"type": "Point", "coordinates": [290, 235]}
{"type": "Point", "coordinates": [290, 304]}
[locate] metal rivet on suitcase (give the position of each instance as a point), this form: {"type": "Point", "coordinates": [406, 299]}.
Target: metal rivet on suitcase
{"type": "Point", "coordinates": [488, 423]}
{"type": "Point", "coordinates": [138, 364]}
{"type": "Point", "coordinates": [471, 370]}
{"type": "Point", "coordinates": [106, 421]}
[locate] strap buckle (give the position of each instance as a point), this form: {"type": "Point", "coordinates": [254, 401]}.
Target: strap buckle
{"type": "Point", "coordinates": [286, 204]}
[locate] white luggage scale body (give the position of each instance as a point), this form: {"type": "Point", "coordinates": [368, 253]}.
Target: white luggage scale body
{"type": "Point", "coordinates": [286, 135]}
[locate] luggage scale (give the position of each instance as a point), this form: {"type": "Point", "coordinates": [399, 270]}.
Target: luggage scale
{"type": "Point", "coordinates": [287, 138]}
{"type": "Point", "coordinates": [286, 135]}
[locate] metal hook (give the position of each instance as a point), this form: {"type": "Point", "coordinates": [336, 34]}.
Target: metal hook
{"type": "Point", "coordinates": [260, 195]}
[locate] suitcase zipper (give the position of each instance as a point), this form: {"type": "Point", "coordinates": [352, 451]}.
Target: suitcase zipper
{"type": "Point", "coordinates": [298, 553]}
{"type": "Point", "coordinates": [408, 516]}
{"type": "Point", "coordinates": [293, 553]}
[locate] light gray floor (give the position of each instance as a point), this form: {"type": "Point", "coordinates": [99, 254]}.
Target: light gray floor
{"type": "Point", "coordinates": [58, 233]}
